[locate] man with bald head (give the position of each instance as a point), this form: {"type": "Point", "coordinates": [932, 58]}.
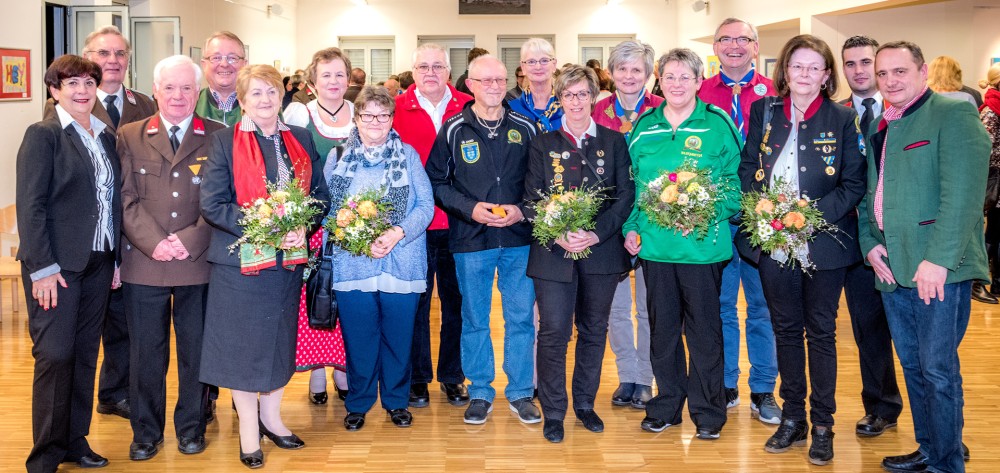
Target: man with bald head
{"type": "Point", "coordinates": [222, 58]}
{"type": "Point", "coordinates": [477, 168]}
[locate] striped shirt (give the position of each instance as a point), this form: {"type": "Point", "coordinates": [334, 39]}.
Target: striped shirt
{"type": "Point", "coordinates": [104, 177]}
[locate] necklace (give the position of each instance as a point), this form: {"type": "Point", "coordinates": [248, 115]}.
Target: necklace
{"type": "Point", "coordinates": [492, 130]}
{"type": "Point", "coordinates": [333, 115]}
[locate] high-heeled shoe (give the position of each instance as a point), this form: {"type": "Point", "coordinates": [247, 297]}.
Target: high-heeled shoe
{"type": "Point", "coordinates": [252, 460]}
{"type": "Point", "coordinates": [317, 398]}
{"type": "Point", "coordinates": [288, 442]}
{"type": "Point", "coordinates": [341, 393]}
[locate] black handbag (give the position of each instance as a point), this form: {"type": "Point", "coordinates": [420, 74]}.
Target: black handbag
{"type": "Point", "coordinates": [321, 303]}
{"type": "Point", "coordinates": [992, 189]}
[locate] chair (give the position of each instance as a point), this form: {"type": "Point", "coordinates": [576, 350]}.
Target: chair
{"type": "Point", "coordinates": [10, 269]}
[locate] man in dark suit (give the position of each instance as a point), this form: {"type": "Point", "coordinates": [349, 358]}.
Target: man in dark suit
{"type": "Point", "coordinates": [116, 105]}
{"type": "Point", "coordinates": [358, 78]}
{"type": "Point", "coordinates": [921, 227]}
{"type": "Point", "coordinates": [69, 215]}
{"type": "Point", "coordinates": [879, 391]}
{"type": "Point", "coordinates": [163, 263]}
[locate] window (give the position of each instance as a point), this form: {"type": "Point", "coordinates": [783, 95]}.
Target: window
{"type": "Point", "coordinates": [599, 47]}
{"type": "Point", "coordinates": [510, 52]}
{"type": "Point", "coordinates": [458, 48]}
{"type": "Point", "coordinates": [373, 54]}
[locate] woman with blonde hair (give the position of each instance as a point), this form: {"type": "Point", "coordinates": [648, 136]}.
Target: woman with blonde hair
{"type": "Point", "coordinates": [539, 102]}
{"type": "Point", "coordinates": [944, 76]}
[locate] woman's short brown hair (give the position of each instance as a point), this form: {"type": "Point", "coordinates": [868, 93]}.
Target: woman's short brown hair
{"type": "Point", "coordinates": [807, 41]}
{"type": "Point", "coordinates": [574, 74]}
{"type": "Point", "coordinates": [374, 94]}
{"type": "Point", "coordinates": [326, 55]}
{"type": "Point", "coordinates": [71, 65]}
{"type": "Point", "coordinates": [257, 71]}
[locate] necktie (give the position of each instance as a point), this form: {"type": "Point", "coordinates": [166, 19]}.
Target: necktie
{"type": "Point", "coordinates": [866, 118]}
{"type": "Point", "coordinates": [174, 142]}
{"type": "Point", "coordinates": [736, 111]}
{"type": "Point", "coordinates": [112, 109]}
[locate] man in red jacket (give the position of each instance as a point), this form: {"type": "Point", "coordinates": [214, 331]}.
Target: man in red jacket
{"type": "Point", "coordinates": [420, 111]}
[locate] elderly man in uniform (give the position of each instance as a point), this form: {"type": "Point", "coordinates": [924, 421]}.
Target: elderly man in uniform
{"type": "Point", "coordinates": [164, 272]}
{"type": "Point", "coordinates": [224, 55]}
{"type": "Point", "coordinates": [116, 106]}
{"type": "Point", "coordinates": [420, 112]}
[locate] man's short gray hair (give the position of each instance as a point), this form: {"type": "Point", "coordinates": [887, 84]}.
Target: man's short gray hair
{"type": "Point", "coordinates": [432, 47]}
{"type": "Point", "coordinates": [173, 61]}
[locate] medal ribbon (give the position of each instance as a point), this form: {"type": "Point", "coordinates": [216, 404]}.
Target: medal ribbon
{"type": "Point", "coordinates": [620, 111]}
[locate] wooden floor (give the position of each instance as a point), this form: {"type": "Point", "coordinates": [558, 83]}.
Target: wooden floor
{"type": "Point", "coordinates": [440, 441]}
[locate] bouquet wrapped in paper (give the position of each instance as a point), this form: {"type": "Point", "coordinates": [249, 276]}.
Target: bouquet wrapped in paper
{"type": "Point", "coordinates": [782, 223]}
{"type": "Point", "coordinates": [562, 211]}
{"type": "Point", "coordinates": [267, 220]}
{"type": "Point", "coordinates": [360, 219]}
{"type": "Point", "coordinates": [683, 199]}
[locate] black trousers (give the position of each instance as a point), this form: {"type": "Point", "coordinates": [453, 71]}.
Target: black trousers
{"type": "Point", "coordinates": [113, 386]}
{"type": "Point", "coordinates": [589, 297]}
{"type": "Point", "coordinates": [148, 309]}
{"type": "Point", "coordinates": [800, 302]}
{"type": "Point", "coordinates": [65, 341]}
{"type": "Point", "coordinates": [879, 391]}
{"type": "Point", "coordinates": [683, 299]}
{"type": "Point", "coordinates": [993, 247]}
{"type": "Point", "coordinates": [440, 263]}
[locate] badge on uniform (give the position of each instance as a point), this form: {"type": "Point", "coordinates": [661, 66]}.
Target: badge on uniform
{"type": "Point", "coordinates": [514, 137]}
{"type": "Point", "coordinates": [198, 127]}
{"type": "Point", "coordinates": [470, 152]}
{"type": "Point", "coordinates": [129, 96]}
{"type": "Point", "coordinates": [600, 171]}
{"type": "Point", "coordinates": [693, 143]}
{"type": "Point", "coordinates": [760, 90]}
{"type": "Point", "coordinates": [565, 154]}
{"type": "Point", "coordinates": [195, 168]}
{"type": "Point", "coordinates": [600, 153]}
{"type": "Point", "coordinates": [600, 162]}
{"type": "Point", "coordinates": [830, 171]}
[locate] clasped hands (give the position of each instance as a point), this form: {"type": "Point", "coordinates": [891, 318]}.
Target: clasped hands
{"type": "Point", "coordinates": [575, 242]}
{"type": "Point", "coordinates": [509, 214]}
{"type": "Point", "coordinates": [170, 248]}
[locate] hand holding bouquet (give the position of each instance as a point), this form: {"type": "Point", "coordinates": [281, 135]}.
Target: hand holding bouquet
{"type": "Point", "coordinates": [268, 220]}
{"type": "Point", "coordinates": [360, 219]}
{"type": "Point", "coordinates": [560, 213]}
{"type": "Point", "coordinates": [783, 224]}
{"type": "Point", "coordinates": [683, 199]}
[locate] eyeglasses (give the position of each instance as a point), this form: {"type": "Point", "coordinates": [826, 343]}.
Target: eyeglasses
{"type": "Point", "coordinates": [104, 53]}
{"type": "Point", "coordinates": [728, 40]}
{"type": "Point", "coordinates": [682, 79]}
{"type": "Point", "coordinates": [218, 59]}
{"type": "Point", "coordinates": [545, 61]}
{"type": "Point", "coordinates": [811, 69]}
{"type": "Point", "coordinates": [425, 68]}
{"type": "Point", "coordinates": [583, 96]}
{"type": "Point", "coordinates": [490, 82]}
{"type": "Point", "coordinates": [76, 82]}
{"type": "Point", "coordinates": [382, 117]}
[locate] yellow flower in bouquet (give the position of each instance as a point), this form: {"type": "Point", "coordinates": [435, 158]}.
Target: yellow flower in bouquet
{"type": "Point", "coordinates": [683, 199]}
{"type": "Point", "coordinates": [280, 196]}
{"type": "Point", "coordinates": [684, 176]}
{"type": "Point", "coordinates": [669, 194]}
{"type": "Point", "coordinates": [344, 217]}
{"type": "Point", "coordinates": [367, 209]}
{"type": "Point", "coordinates": [764, 205]}
{"type": "Point", "coordinates": [264, 211]}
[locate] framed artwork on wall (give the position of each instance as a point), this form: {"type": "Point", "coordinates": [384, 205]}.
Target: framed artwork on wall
{"type": "Point", "coordinates": [196, 54]}
{"type": "Point", "coordinates": [15, 69]}
{"type": "Point", "coordinates": [769, 64]}
{"type": "Point", "coordinates": [494, 7]}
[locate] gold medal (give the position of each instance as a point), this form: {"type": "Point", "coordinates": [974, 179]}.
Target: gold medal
{"type": "Point", "coordinates": [830, 171]}
{"type": "Point", "coordinates": [759, 175]}
{"type": "Point", "coordinates": [626, 127]}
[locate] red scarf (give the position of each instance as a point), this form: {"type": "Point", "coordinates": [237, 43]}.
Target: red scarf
{"type": "Point", "coordinates": [992, 100]}
{"type": "Point", "coordinates": [249, 174]}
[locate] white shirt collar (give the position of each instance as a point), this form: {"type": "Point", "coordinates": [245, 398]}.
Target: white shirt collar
{"type": "Point", "coordinates": [591, 131]}
{"type": "Point", "coordinates": [860, 108]}
{"type": "Point", "coordinates": [65, 120]}
{"type": "Point", "coordinates": [183, 125]}
{"type": "Point", "coordinates": [436, 112]}
{"type": "Point", "coordinates": [118, 93]}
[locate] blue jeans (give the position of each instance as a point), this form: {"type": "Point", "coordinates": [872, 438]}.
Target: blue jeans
{"type": "Point", "coordinates": [760, 336]}
{"type": "Point", "coordinates": [476, 271]}
{"type": "Point", "coordinates": [927, 339]}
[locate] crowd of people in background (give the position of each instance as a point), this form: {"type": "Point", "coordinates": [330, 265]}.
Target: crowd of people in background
{"type": "Point", "coordinates": [129, 207]}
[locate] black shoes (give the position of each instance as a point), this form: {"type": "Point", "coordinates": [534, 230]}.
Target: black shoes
{"type": "Point", "coordinates": [790, 433]}
{"type": "Point", "coordinates": [210, 411]}
{"type": "Point", "coordinates": [641, 396]}
{"type": "Point", "coordinates": [873, 426]}
{"type": "Point", "coordinates": [120, 409]}
{"type": "Point", "coordinates": [341, 393]}
{"type": "Point", "coordinates": [354, 421]}
{"type": "Point", "coordinates": [456, 393]}
{"type": "Point", "coordinates": [191, 445]}
{"type": "Point", "coordinates": [140, 451]}
{"type": "Point", "coordinates": [913, 462]}
{"type": "Point", "coordinates": [652, 424]}
{"type": "Point", "coordinates": [980, 294]}
{"type": "Point", "coordinates": [553, 430]}
{"type": "Point", "coordinates": [821, 450]}
{"type": "Point", "coordinates": [252, 460]}
{"type": "Point", "coordinates": [623, 395]}
{"type": "Point", "coordinates": [90, 460]}
{"type": "Point", "coordinates": [591, 421]}
{"type": "Point", "coordinates": [288, 442]}
{"type": "Point", "coordinates": [401, 417]}
{"type": "Point", "coordinates": [705, 433]}
{"type": "Point", "coordinates": [318, 398]}
{"type": "Point", "coordinates": [419, 397]}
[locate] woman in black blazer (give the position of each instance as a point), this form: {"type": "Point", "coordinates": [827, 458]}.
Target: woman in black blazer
{"type": "Point", "coordinates": [251, 320]}
{"type": "Point", "coordinates": [590, 156]}
{"type": "Point", "coordinates": [69, 216]}
{"type": "Point", "coordinates": [815, 144]}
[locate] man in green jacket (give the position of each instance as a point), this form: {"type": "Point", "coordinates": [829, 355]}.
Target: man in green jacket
{"type": "Point", "coordinates": [921, 227]}
{"type": "Point", "coordinates": [223, 57]}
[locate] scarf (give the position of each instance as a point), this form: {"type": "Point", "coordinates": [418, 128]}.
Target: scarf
{"type": "Point", "coordinates": [891, 114]}
{"type": "Point", "coordinates": [735, 112]}
{"type": "Point", "coordinates": [395, 179]}
{"type": "Point", "coordinates": [553, 110]}
{"type": "Point", "coordinates": [991, 100]}
{"type": "Point", "coordinates": [250, 180]}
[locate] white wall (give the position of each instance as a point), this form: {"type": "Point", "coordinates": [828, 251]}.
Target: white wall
{"type": "Point", "coordinates": [321, 22]}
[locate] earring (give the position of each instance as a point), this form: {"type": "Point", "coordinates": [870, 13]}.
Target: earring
{"type": "Point", "coordinates": [822, 86]}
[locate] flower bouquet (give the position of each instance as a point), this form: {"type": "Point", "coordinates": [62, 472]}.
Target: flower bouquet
{"type": "Point", "coordinates": [360, 219]}
{"type": "Point", "coordinates": [560, 212]}
{"type": "Point", "coordinates": [782, 224]}
{"type": "Point", "coordinates": [267, 220]}
{"type": "Point", "coordinates": [683, 199]}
